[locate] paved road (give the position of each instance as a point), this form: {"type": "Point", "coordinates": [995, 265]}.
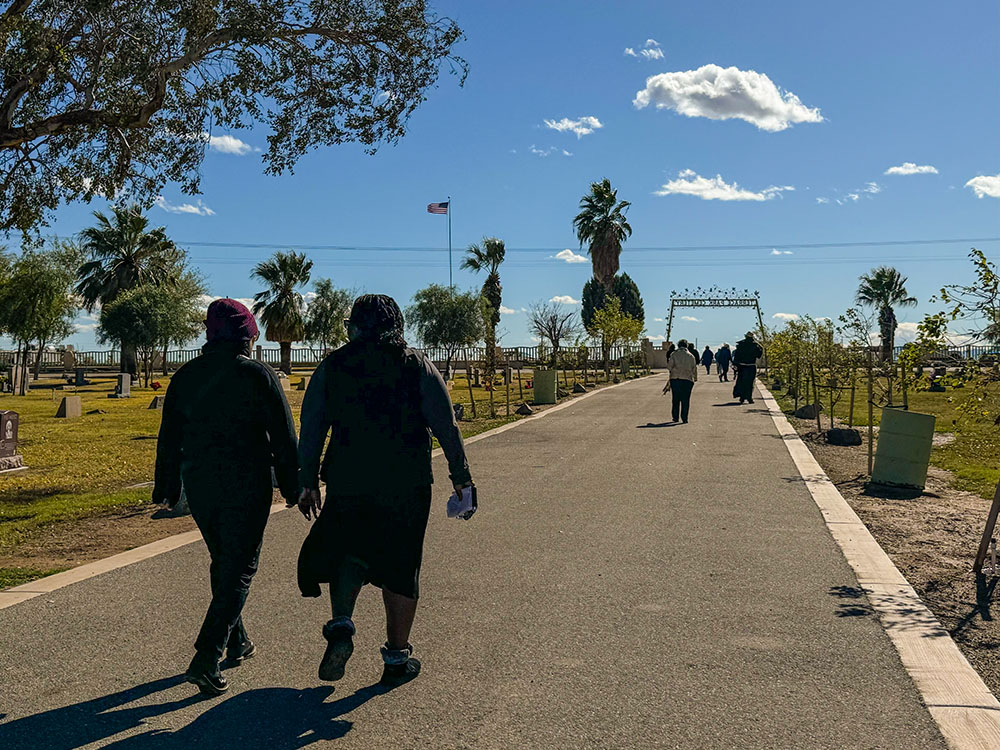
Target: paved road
{"type": "Point", "coordinates": [626, 584]}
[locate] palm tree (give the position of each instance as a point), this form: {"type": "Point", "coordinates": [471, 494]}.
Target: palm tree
{"type": "Point", "coordinates": [124, 253]}
{"type": "Point", "coordinates": [487, 256]}
{"type": "Point", "coordinates": [601, 225]}
{"type": "Point", "coordinates": [884, 288]}
{"type": "Point", "coordinates": [280, 307]}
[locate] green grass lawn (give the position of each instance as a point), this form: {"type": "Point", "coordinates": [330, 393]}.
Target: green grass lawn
{"type": "Point", "coordinates": [84, 466]}
{"type": "Point", "coordinates": [973, 457]}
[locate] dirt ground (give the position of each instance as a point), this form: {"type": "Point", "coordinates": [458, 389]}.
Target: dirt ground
{"type": "Point", "coordinates": [932, 539]}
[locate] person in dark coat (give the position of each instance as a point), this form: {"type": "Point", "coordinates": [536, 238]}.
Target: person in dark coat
{"type": "Point", "coordinates": [745, 357]}
{"type": "Point", "coordinates": [225, 423]}
{"type": "Point", "coordinates": [706, 359]}
{"type": "Point", "coordinates": [379, 401]}
{"type": "Point", "coordinates": [723, 358]}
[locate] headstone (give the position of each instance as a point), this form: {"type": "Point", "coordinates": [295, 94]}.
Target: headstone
{"type": "Point", "coordinates": [843, 436]}
{"type": "Point", "coordinates": [17, 376]}
{"type": "Point", "coordinates": [304, 383]}
{"type": "Point", "coordinates": [936, 387]}
{"type": "Point", "coordinates": [562, 392]}
{"type": "Point", "coordinates": [459, 410]}
{"type": "Point", "coordinates": [69, 407]}
{"type": "Point", "coordinates": [8, 433]}
{"type": "Point", "coordinates": [808, 411]}
{"type": "Point", "coordinates": [69, 360]}
{"type": "Point", "coordinates": [286, 384]}
{"type": "Point", "coordinates": [579, 388]}
{"type": "Point", "coordinates": [124, 387]}
{"type": "Point", "coordinates": [9, 457]}
{"type": "Point", "coordinates": [524, 410]}
{"type": "Point", "coordinates": [78, 377]}
{"type": "Point", "coordinates": [157, 402]}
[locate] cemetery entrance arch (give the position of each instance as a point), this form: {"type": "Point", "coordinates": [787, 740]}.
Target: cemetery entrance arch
{"type": "Point", "coordinates": [715, 297]}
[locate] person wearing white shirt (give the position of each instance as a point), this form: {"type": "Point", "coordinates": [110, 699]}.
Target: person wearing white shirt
{"type": "Point", "coordinates": [683, 367]}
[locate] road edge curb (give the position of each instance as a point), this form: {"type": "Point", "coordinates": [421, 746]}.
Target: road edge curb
{"type": "Point", "coordinates": [26, 591]}
{"type": "Point", "coordinates": [962, 706]}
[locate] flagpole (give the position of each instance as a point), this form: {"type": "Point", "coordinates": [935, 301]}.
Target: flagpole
{"type": "Point", "coordinates": [451, 280]}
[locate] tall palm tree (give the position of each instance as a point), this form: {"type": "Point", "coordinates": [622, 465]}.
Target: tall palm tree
{"type": "Point", "coordinates": [487, 256]}
{"type": "Point", "coordinates": [123, 253]}
{"type": "Point", "coordinates": [280, 306]}
{"type": "Point", "coordinates": [885, 288]}
{"type": "Point", "coordinates": [601, 225]}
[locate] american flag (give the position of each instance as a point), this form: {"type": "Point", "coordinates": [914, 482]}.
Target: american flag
{"type": "Point", "coordinates": [437, 208]}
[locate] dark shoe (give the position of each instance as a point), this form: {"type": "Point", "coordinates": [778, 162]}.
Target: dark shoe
{"type": "Point", "coordinates": [685, 421]}
{"type": "Point", "coordinates": [207, 677]}
{"type": "Point", "coordinates": [750, 401]}
{"type": "Point", "coordinates": [235, 656]}
{"type": "Point", "coordinates": [339, 647]}
{"type": "Point", "coordinates": [400, 666]}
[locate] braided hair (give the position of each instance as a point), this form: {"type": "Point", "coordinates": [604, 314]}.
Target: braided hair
{"type": "Point", "coordinates": [378, 319]}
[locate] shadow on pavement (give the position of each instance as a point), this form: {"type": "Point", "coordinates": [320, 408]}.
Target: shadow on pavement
{"type": "Point", "coordinates": [729, 403]}
{"type": "Point", "coordinates": [661, 424]}
{"type": "Point", "coordinates": [271, 718]}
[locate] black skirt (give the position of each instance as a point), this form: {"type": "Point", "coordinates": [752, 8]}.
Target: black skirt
{"type": "Point", "coordinates": [384, 530]}
{"type": "Point", "coordinates": [745, 375]}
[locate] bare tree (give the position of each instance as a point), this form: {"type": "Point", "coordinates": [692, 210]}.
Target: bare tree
{"type": "Point", "coordinates": [553, 323]}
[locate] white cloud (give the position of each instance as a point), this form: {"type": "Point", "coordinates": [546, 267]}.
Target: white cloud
{"type": "Point", "coordinates": [183, 208]}
{"type": "Point", "coordinates": [543, 152]}
{"type": "Point", "coordinates": [657, 338]}
{"type": "Point", "coordinates": [690, 319]}
{"type": "Point", "coordinates": [228, 144]}
{"type": "Point", "coordinates": [852, 197]}
{"type": "Point", "coordinates": [724, 94]}
{"type": "Point", "coordinates": [565, 299]}
{"type": "Point", "coordinates": [985, 185]}
{"type": "Point", "coordinates": [689, 182]}
{"type": "Point", "coordinates": [504, 310]}
{"type": "Point", "coordinates": [650, 51]}
{"type": "Point", "coordinates": [822, 200]}
{"type": "Point", "coordinates": [583, 126]}
{"type": "Point", "coordinates": [872, 187]}
{"type": "Point", "coordinates": [785, 316]}
{"type": "Point", "coordinates": [657, 320]}
{"type": "Point", "coordinates": [908, 167]}
{"type": "Point", "coordinates": [569, 256]}
{"type": "Point", "coordinates": [776, 251]}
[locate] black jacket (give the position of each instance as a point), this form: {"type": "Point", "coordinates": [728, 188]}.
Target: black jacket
{"type": "Point", "coordinates": [225, 423]}
{"type": "Point", "coordinates": [747, 352]}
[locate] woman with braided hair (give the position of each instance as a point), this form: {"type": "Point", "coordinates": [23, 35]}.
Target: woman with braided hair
{"type": "Point", "coordinates": [379, 401]}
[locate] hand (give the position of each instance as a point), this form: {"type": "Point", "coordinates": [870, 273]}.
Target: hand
{"type": "Point", "coordinates": [310, 503]}
{"type": "Point", "coordinates": [666, 388]}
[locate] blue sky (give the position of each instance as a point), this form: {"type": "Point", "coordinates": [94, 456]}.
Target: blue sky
{"type": "Point", "coordinates": [851, 91]}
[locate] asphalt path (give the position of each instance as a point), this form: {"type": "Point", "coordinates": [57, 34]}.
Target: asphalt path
{"type": "Point", "coordinates": [626, 583]}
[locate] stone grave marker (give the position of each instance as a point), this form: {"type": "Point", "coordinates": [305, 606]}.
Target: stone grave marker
{"type": "Point", "coordinates": [124, 387]}
{"type": "Point", "coordinates": [78, 377]}
{"type": "Point", "coordinates": [9, 458]}
{"type": "Point", "coordinates": [304, 383]}
{"type": "Point", "coordinates": [69, 407]}
{"type": "Point", "coordinates": [157, 402]}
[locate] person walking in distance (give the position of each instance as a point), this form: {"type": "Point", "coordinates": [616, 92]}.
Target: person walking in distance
{"type": "Point", "coordinates": [723, 358]}
{"type": "Point", "coordinates": [379, 401]}
{"type": "Point", "coordinates": [683, 368]}
{"type": "Point", "coordinates": [748, 351]}
{"type": "Point", "coordinates": [706, 359]}
{"type": "Point", "coordinates": [225, 423]}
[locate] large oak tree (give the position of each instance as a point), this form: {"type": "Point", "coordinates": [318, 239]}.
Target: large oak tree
{"type": "Point", "coordinates": [117, 97]}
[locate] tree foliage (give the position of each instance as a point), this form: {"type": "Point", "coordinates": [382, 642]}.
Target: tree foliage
{"type": "Point", "coordinates": [595, 294]}
{"type": "Point", "coordinates": [614, 327]}
{"type": "Point", "coordinates": [444, 318]}
{"type": "Point", "coordinates": [884, 288]}
{"type": "Point", "coordinates": [142, 319]}
{"type": "Point", "coordinates": [280, 305]}
{"type": "Point", "coordinates": [487, 256]}
{"type": "Point", "coordinates": [115, 97]}
{"type": "Point", "coordinates": [326, 314]}
{"type": "Point", "coordinates": [977, 304]}
{"type": "Point", "coordinates": [601, 226]}
{"type": "Point", "coordinates": [553, 323]}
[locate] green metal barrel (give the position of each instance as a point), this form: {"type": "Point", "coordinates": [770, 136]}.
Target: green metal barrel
{"type": "Point", "coordinates": [545, 386]}
{"type": "Point", "coordinates": [904, 448]}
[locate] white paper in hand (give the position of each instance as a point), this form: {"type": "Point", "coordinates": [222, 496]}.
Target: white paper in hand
{"type": "Point", "coordinates": [463, 506]}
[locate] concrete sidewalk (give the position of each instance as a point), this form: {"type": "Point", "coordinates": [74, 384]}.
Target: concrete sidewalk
{"type": "Point", "coordinates": [625, 584]}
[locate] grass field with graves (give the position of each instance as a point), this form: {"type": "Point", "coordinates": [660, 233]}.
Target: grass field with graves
{"type": "Point", "coordinates": [88, 466]}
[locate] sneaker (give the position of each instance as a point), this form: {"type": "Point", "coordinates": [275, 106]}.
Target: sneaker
{"type": "Point", "coordinates": [339, 647]}
{"type": "Point", "coordinates": [207, 677]}
{"type": "Point", "coordinates": [400, 666]}
{"type": "Point", "coordinates": [235, 656]}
